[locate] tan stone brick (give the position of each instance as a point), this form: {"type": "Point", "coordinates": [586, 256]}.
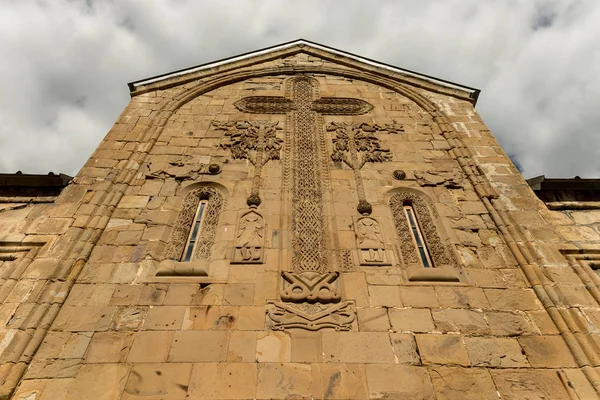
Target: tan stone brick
{"type": "Point", "coordinates": [543, 322]}
{"type": "Point", "coordinates": [181, 294]}
{"type": "Point", "coordinates": [242, 347]}
{"type": "Point", "coordinates": [199, 346]}
{"type": "Point", "coordinates": [239, 294]}
{"type": "Point", "coordinates": [462, 297]}
{"type": "Point", "coordinates": [126, 294]}
{"type": "Point", "coordinates": [164, 381]}
{"type": "Point", "coordinates": [92, 318]}
{"type": "Point", "coordinates": [385, 296]}
{"type": "Point", "coordinates": [411, 319]}
{"type": "Point", "coordinates": [529, 384]}
{"type": "Point", "coordinates": [373, 319]}
{"type": "Point", "coordinates": [512, 299]}
{"type": "Point", "coordinates": [355, 288]}
{"type": "Point", "coordinates": [99, 382]}
{"type": "Point", "coordinates": [547, 351]}
{"type": "Point", "coordinates": [405, 349]}
{"type": "Point", "coordinates": [383, 382]}
{"type": "Point", "coordinates": [273, 346]}
{"type": "Point", "coordinates": [153, 294]}
{"type": "Point", "coordinates": [40, 369]}
{"type": "Point", "coordinates": [495, 352]}
{"type": "Point", "coordinates": [251, 318]}
{"type": "Point", "coordinates": [357, 347]}
{"type": "Point", "coordinates": [280, 381]}
{"type": "Point", "coordinates": [152, 346]}
{"type": "Point", "coordinates": [129, 318]}
{"type": "Point", "coordinates": [509, 324]}
{"type": "Point", "coordinates": [306, 346]}
{"type": "Point", "coordinates": [160, 318]}
{"type": "Point", "coordinates": [107, 347]}
{"type": "Point", "coordinates": [463, 383]}
{"type": "Point", "coordinates": [442, 349]}
{"type": "Point", "coordinates": [339, 381]}
{"type": "Point", "coordinates": [419, 296]}
{"type": "Point", "coordinates": [266, 287]}
{"type": "Point", "coordinates": [210, 318]}
{"type": "Point", "coordinates": [460, 320]}
{"type": "Point", "coordinates": [207, 381]}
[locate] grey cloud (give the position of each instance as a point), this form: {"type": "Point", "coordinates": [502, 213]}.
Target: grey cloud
{"type": "Point", "coordinates": [66, 63]}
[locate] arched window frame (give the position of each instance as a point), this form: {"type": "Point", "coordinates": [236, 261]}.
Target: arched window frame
{"type": "Point", "coordinates": [437, 253]}
{"type": "Point", "coordinates": [183, 230]}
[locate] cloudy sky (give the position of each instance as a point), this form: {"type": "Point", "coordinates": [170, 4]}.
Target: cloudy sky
{"type": "Point", "coordinates": [65, 64]}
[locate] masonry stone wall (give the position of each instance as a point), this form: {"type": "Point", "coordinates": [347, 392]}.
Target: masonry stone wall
{"type": "Point", "coordinates": [99, 311]}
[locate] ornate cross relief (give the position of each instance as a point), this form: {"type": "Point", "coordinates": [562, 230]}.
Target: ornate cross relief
{"type": "Point", "coordinates": [310, 288]}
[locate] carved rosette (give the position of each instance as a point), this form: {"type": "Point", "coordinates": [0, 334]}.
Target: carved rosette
{"type": "Point", "coordinates": [249, 239]}
{"type": "Point", "coordinates": [370, 242]}
{"type": "Point", "coordinates": [181, 230]}
{"type": "Point", "coordinates": [438, 252]}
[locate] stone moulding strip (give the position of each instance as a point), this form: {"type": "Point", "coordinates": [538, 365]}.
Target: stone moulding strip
{"type": "Point", "coordinates": [25, 199]}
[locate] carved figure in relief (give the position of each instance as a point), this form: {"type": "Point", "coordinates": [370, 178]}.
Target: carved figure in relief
{"type": "Point", "coordinates": [249, 238]}
{"type": "Point", "coordinates": [369, 240]}
{"type": "Point", "coordinates": [448, 179]}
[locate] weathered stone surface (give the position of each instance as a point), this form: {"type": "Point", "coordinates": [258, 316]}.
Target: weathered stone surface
{"type": "Point", "coordinates": [383, 382]}
{"type": "Point", "coordinates": [164, 381]}
{"type": "Point", "coordinates": [99, 382]}
{"type": "Point", "coordinates": [529, 384]}
{"type": "Point", "coordinates": [207, 381]}
{"type": "Point", "coordinates": [199, 346]}
{"type": "Point", "coordinates": [339, 381]}
{"type": "Point", "coordinates": [442, 349]}
{"type": "Point", "coordinates": [495, 352]}
{"type": "Point", "coordinates": [411, 319]}
{"type": "Point", "coordinates": [357, 347]}
{"type": "Point", "coordinates": [463, 383]}
{"type": "Point", "coordinates": [547, 351]}
{"type": "Point", "coordinates": [373, 319]}
{"type": "Point", "coordinates": [151, 346]}
{"type": "Point", "coordinates": [460, 320]}
{"type": "Point", "coordinates": [284, 381]}
{"type": "Point", "coordinates": [273, 347]}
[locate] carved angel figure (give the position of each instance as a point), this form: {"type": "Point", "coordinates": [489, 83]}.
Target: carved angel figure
{"type": "Point", "coordinates": [250, 236]}
{"type": "Point", "coordinates": [368, 234]}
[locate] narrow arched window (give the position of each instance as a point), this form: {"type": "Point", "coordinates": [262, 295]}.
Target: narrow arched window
{"type": "Point", "coordinates": [195, 231]}
{"type": "Point", "coordinates": [417, 236]}
{"type": "Point", "coordinates": [419, 240]}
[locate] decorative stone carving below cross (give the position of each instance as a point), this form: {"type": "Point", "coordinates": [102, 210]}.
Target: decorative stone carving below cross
{"type": "Point", "coordinates": [309, 252]}
{"type": "Point", "coordinates": [355, 145]}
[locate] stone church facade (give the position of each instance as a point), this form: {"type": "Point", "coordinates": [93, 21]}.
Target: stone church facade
{"type": "Point", "coordinates": [298, 222]}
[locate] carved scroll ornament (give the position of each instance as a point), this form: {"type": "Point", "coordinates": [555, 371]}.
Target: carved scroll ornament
{"type": "Point", "coordinates": [310, 287]}
{"type": "Point", "coordinates": [311, 317]}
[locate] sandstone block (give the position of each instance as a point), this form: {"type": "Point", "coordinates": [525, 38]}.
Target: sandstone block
{"type": "Point", "coordinates": [405, 349]}
{"type": "Point", "coordinates": [306, 347]}
{"type": "Point", "coordinates": [512, 299]}
{"type": "Point", "coordinates": [384, 296]}
{"type": "Point", "coordinates": [163, 381]}
{"type": "Point", "coordinates": [463, 383]}
{"type": "Point", "coordinates": [283, 381]}
{"type": "Point", "coordinates": [357, 347]}
{"type": "Point", "coordinates": [107, 347]}
{"type": "Point", "coordinates": [242, 347]}
{"type": "Point", "coordinates": [509, 324]}
{"type": "Point", "coordinates": [460, 320]}
{"type": "Point", "coordinates": [547, 351]}
{"type": "Point", "coordinates": [99, 382]}
{"type": "Point", "coordinates": [273, 346]}
{"type": "Point", "coordinates": [151, 346]}
{"type": "Point", "coordinates": [419, 296]}
{"type": "Point", "coordinates": [529, 384]}
{"type": "Point", "coordinates": [442, 349]}
{"type": "Point", "coordinates": [239, 294]}
{"type": "Point", "coordinates": [210, 318]}
{"type": "Point", "coordinates": [495, 352]}
{"type": "Point", "coordinates": [411, 319]}
{"type": "Point", "coordinates": [339, 381]}
{"type": "Point", "coordinates": [199, 346]}
{"type": "Point", "coordinates": [373, 319]}
{"type": "Point", "coordinates": [162, 318]}
{"type": "Point", "coordinates": [207, 381]}
{"type": "Point", "coordinates": [462, 297]}
{"type": "Point", "coordinates": [383, 382]}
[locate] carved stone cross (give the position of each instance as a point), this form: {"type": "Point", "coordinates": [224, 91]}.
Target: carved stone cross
{"type": "Point", "coordinates": [303, 105]}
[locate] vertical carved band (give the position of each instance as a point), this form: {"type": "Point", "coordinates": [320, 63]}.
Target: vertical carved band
{"type": "Point", "coordinates": [181, 230]}
{"type": "Point", "coordinates": [308, 243]}
{"type": "Point", "coordinates": [438, 252]}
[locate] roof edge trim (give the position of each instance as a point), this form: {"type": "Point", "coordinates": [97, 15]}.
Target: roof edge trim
{"type": "Point", "coordinates": [473, 92]}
